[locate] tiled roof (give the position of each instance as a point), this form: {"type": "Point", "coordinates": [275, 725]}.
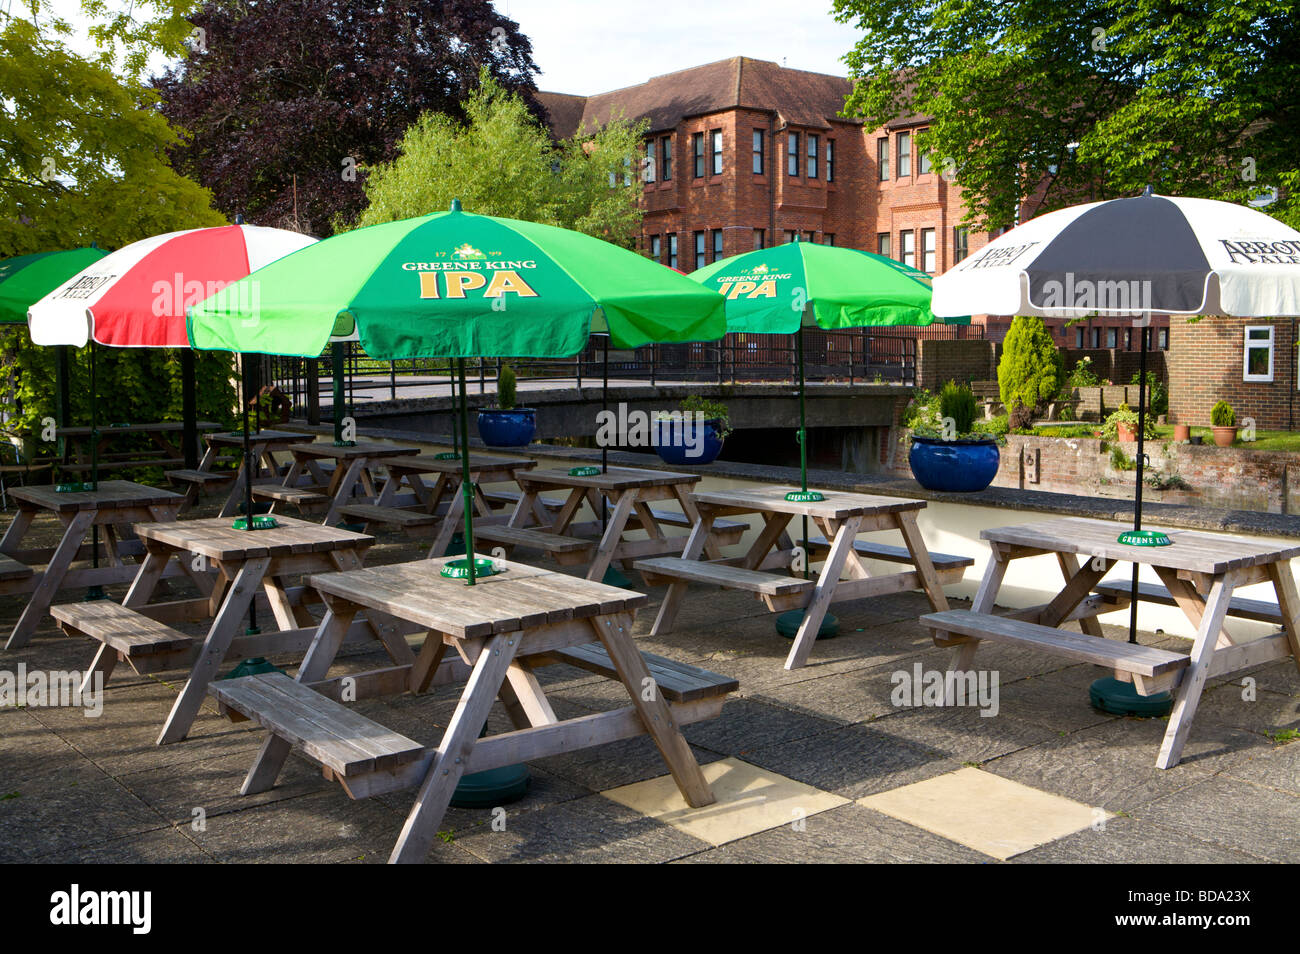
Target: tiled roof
{"type": "Point", "coordinates": [800, 98]}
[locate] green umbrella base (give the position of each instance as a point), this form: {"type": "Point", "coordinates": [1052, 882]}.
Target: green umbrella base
{"type": "Point", "coordinates": [263, 522]}
{"type": "Point", "coordinates": [457, 546]}
{"type": "Point", "coordinates": [94, 593]}
{"type": "Point", "coordinates": [1115, 695]}
{"type": "Point", "coordinates": [498, 786]}
{"type": "Point", "coordinates": [459, 569]}
{"type": "Point", "coordinates": [613, 577]}
{"type": "Point", "coordinates": [352, 527]}
{"type": "Point", "coordinates": [787, 625]}
{"type": "Point", "coordinates": [258, 508]}
{"type": "Point", "coordinates": [253, 666]}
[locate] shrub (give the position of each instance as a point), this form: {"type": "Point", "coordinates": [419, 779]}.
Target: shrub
{"type": "Point", "coordinates": [1081, 375]}
{"type": "Point", "coordinates": [922, 411]}
{"type": "Point", "coordinates": [996, 426]}
{"type": "Point", "coordinates": [1126, 415]}
{"type": "Point", "coordinates": [1066, 413]}
{"type": "Point", "coordinates": [957, 401]}
{"type": "Point", "coordinates": [709, 411]}
{"type": "Point", "coordinates": [506, 390]}
{"type": "Point", "coordinates": [1157, 393]}
{"type": "Point", "coordinates": [1021, 418]}
{"type": "Point", "coordinates": [1120, 460]}
{"type": "Point", "coordinates": [1222, 415]}
{"type": "Point", "coordinates": [1031, 369]}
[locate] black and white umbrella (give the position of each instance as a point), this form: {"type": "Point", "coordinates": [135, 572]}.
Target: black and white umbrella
{"type": "Point", "coordinates": [1135, 257]}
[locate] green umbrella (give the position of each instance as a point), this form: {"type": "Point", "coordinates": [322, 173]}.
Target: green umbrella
{"type": "Point", "coordinates": [457, 285]}
{"type": "Point", "coordinates": [782, 290]}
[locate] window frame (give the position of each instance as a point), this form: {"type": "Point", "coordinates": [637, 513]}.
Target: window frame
{"type": "Point", "coordinates": [882, 158]}
{"type": "Point", "coordinates": [715, 245]}
{"type": "Point", "coordinates": [885, 244]}
{"type": "Point", "coordinates": [649, 173]}
{"type": "Point", "coordinates": [904, 155]}
{"type": "Point", "coordinates": [672, 249]}
{"type": "Point", "coordinates": [830, 160]}
{"type": "Point", "coordinates": [1249, 345]}
{"type": "Point", "coordinates": [715, 148]}
{"type": "Point", "coordinates": [792, 154]}
{"type": "Point", "coordinates": [931, 253]}
{"type": "Point", "coordinates": [924, 164]}
{"type": "Point", "coordinates": [760, 239]}
{"type": "Point", "coordinates": [960, 243]}
{"type": "Point", "coordinates": [697, 155]}
{"type": "Point", "coordinates": [759, 152]}
{"type": "Point", "coordinates": [700, 247]}
{"type": "Point", "coordinates": [665, 158]}
{"type": "Point", "coordinates": [903, 246]}
{"type": "Point", "coordinates": [812, 142]}
{"type": "Point", "coordinates": [656, 247]}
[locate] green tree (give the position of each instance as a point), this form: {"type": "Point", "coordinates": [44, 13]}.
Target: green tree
{"type": "Point", "coordinates": [1193, 97]}
{"type": "Point", "coordinates": [502, 162]}
{"type": "Point", "coordinates": [1031, 370]}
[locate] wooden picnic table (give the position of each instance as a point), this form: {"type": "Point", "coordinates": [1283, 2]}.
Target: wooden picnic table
{"type": "Point", "coordinates": [436, 510]}
{"type": "Point", "coordinates": [352, 466]}
{"type": "Point", "coordinates": [840, 516]}
{"type": "Point", "coordinates": [242, 563]}
{"type": "Point", "coordinates": [623, 493]}
{"type": "Point", "coordinates": [77, 452]}
{"type": "Point", "coordinates": [263, 446]}
{"type": "Point", "coordinates": [500, 630]}
{"type": "Point", "coordinates": [1199, 571]}
{"type": "Point", "coordinates": [115, 506]}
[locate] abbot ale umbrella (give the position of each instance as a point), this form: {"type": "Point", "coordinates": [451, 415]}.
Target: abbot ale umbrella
{"type": "Point", "coordinates": [1139, 256]}
{"type": "Point", "coordinates": [456, 285]}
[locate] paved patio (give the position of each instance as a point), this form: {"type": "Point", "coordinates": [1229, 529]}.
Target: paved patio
{"type": "Point", "coordinates": [816, 765]}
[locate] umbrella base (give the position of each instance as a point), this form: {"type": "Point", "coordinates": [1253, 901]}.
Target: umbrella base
{"type": "Point", "coordinates": [498, 786]}
{"type": "Point", "coordinates": [1144, 538]}
{"type": "Point", "coordinates": [804, 496]}
{"type": "Point", "coordinates": [456, 547]}
{"type": "Point", "coordinates": [583, 471]}
{"type": "Point", "coordinates": [94, 593]}
{"type": "Point", "coordinates": [263, 522]}
{"type": "Point", "coordinates": [253, 666]}
{"type": "Point", "coordinates": [1121, 698]}
{"type": "Point", "coordinates": [787, 625]}
{"type": "Point", "coordinates": [613, 577]}
{"type": "Point", "coordinates": [459, 569]}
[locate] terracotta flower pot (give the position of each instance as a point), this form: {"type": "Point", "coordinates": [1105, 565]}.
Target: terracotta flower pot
{"type": "Point", "coordinates": [1182, 432]}
{"type": "Point", "coordinates": [1224, 436]}
{"type": "Point", "coordinates": [1125, 432]}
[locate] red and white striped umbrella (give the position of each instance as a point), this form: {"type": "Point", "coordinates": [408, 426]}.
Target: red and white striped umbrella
{"type": "Point", "coordinates": [136, 297]}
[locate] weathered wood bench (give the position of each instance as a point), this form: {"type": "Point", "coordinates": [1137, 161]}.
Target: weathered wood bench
{"type": "Point", "coordinates": [568, 551]}
{"type": "Point", "coordinates": [1153, 670]}
{"type": "Point", "coordinates": [895, 554]}
{"type": "Point", "coordinates": [11, 569]}
{"type": "Point", "coordinates": [778, 591]}
{"type": "Point", "coordinates": [198, 481]}
{"type": "Point", "coordinates": [307, 499]}
{"type": "Point", "coordinates": [146, 644]}
{"type": "Point", "coordinates": [345, 743]}
{"type": "Point", "coordinates": [411, 521]}
{"type": "Point", "coordinates": [677, 681]}
{"type": "Point", "coordinates": [1119, 594]}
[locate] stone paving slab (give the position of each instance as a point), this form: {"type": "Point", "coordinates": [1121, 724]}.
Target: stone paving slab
{"type": "Point", "coordinates": [1232, 814]}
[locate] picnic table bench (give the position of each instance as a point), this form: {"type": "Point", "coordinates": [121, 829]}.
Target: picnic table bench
{"type": "Point", "coordinates": [351, 468]}
{"type": "Point", "coordinates": [166, 452]}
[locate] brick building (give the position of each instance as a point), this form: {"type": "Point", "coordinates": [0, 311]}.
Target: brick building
{"type": "Point", "coordinates": [1248, 362]}
{"type": "Point", "coordinates": [744, 154]}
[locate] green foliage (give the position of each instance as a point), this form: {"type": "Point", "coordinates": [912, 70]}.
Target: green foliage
{"type": "Point", "coordinates": [1222, 415]}
{"type": "Point", "coordinates": [1126, 415]}
{"type": "Point", "coordinates": [1162, 480]}
{"type": "Point", "coordinates": [1157, 393]}
{"type": "Point", "coordinates": [502, 162]}
{"type": "Point", "coordinates": [1082, 375]}
{"type": "Point", "coordinates": [1077, 430]}
{"type": "Point", "coordinates": [1030, 372]}
{"type": "Point", "coordinates": [1195, 98]}
{"type": "Point", "coordinates": [957, 401]}
{"type": "Point", "coordinates": [996, 426]}
{"type": "Point", "coordinates": [1120, 460]}
{"type": "Point", "coordinates": [709, 411]}
{"type": "Point", "coordinates": [506, 388]}
{"type": "Point", "coordinates": [1066, 413]}
{"type": "Point", "coordinates": [922, 411]}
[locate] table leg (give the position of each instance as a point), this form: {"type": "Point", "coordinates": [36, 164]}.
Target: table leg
{"type": "Point", "coordinates": [692, 513]}
{"type": "Point", "coordinates": [17, 530]}
{"type": "Point", "coordinates": [774, 525]}
{"type": "Point", "coordinates": [613, 534]}
{"type": "Point", "coordinates": [677, 589]}
{"type": "Point", "coordinates": [248, 581]}
{"type": "Point", "coordinates": [236, 495]}
{"type": "Point", "coordinates": [963, 654]}
{"type": "Point", "coordinates": [921, 558]}
{"type": "Point", "coordinates": [315, 665]}
{"type": "Point", "coordinates": [457, 742]}
{"type": "Point", "coordinates": [342, 488]}
{"type": "Point", "coordinates": [39, 602]}
{"type": "Point", "coordinates": [1188, 694]}
{"type": "Point", "coordinates": [823, 593]}
{"type": "Point", "coordinates": [147, 577]}
{"type": "Point", "coordinates": [1288, 601]}
{"type": "Point", "coordinates": [615, 632]}
{"type": "Point", "coordinates": [452, 522]}
{"type": "Point", "coordinates": [105, 661]}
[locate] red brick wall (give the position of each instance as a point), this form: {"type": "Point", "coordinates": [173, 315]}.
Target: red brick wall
{"type": "Point", "coordinates": [1206, 364]}
{"type": "Point", "coordinates": [939, 362]}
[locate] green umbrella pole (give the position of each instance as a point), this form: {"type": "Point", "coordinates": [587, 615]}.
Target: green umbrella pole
{"type": "Point", "coordinates": [336, 354]}
{"type": "Point", "coordinates": [466, 486]}
{"type": "Point", "coordinates": [803, 420]}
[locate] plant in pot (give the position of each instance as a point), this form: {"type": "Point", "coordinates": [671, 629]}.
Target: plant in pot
{"type": "Point", "coordinates": [695, 434]}
{"type": "Point", "coordinates": [1122, 425]}
{"type": "Point", "coordinates": [506, 425]}
{"type": "Point", "coordinates": [946, 454]}
{"type": "Point", "coordinates": [1223, 422]}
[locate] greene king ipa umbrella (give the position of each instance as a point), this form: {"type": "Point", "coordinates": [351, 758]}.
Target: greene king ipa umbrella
{"type": "Point", "coordinates": [1137, 257]}
{"type": "Point", "coordinates": [457, 285]}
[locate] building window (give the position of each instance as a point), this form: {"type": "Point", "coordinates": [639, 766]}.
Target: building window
{"type": "Point", "coordinates": [760, 238]}
{"type": "Point", "coordinates": [907, 247]}
{"type": "Point", "coordinates": [665, 158]}
{"type": "Point", "coordinates": [904, 155]}
{"type": "Point", "coordinates": [922, 154]}
{"type": "Point", "coordinates": [656, 248]}
{"type": "Point", "coordinates": [928, 256]}
{"type": "Point", "coordinates": [759, 140]}
{"type": "Point", "coordinates": [699, 250]}
{"type": "Point", "coordinates": [1096, 338]}
{"type": "Point", "coordinates": [717, 151]}
{"type": "Point", "coordinates": [697, 151]}
{"type": "Point", "coordinates": [1163, 338]}
{"type": "Point", "coordinates": [830, 160]}
{"type": "Point", "coordinates": [648, 166]}
{"type": "Point", "coordinates": [1079, 341]}
{"type": "Point", "coordinates": [791, 235]}
{"type": "Point", "coordinates": [717, 245]}
{"type": "Point", "coordinates": [961, 244]}
{"type": "Point", "coordinates": [672, 250]}
{"type": "Point", "coordinates": [1112, 337]}
{"type": "Point", "coordinates": [828, 238]}
{"type": "Point", "coordinates": [792, 153]}
{"type": "Point", "coordinates": [810, 236]}
{"type": "Point", "coordinates": [1259, 353]}
{"type": "Point", "coordinates": [813, 142]}
{"type": "Point", "coordinates": [883, 245]}
{"type": "Point", "coordinates": [882, 157]}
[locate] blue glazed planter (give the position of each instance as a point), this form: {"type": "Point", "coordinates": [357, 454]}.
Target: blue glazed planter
{"type": "Point", "coordinates": [682, 442]}
{"type": "Point", "coordinates": [512, 428]}
{"type": "Point", "coordinates": [961, 466]}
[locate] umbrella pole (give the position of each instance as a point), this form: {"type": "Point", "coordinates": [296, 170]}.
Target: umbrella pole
{"type": "Point", "coordinates": [336, 374]}
{"type": "Point", "coordinates": [189, 411]}
{"type": "Point", "coordinates": [466, 486]}
{"type": "Point", "coordinates": [604, 406]}
{"type": "Point", "coordinates": [803, 445]}
{"type": "Point", "coordinates": [1137, 498]}
{"type": "Point", "coordinates": [249, 466]}
{"type": "Point", "coordinates": [94, 592]}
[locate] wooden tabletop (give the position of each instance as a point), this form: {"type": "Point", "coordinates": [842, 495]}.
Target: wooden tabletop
{"type": "Point", "coordinates": [1190, 550]}
{"type": "Point", "coordinates": [837, 505]}
{"type": "Point", "coordinates": [161, 427]}
{"type": "Point", "coordinates": [352, 451]}
{"type": "Point", "coordinates": [521, 597]}
{"type": "Point", "coordinates": [616, 478]}
{"type": "Point", "coordinates": [478, 464]}
{"type": "Point", "coordinates": [110, 494]}
{"type": "Point", "coordinates": [236, 438]}
{"type": "Point", "coordinates": [216, 538]}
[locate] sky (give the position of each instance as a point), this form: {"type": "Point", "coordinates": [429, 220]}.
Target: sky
{"type": "Point", "coordinates": [593, 46]}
